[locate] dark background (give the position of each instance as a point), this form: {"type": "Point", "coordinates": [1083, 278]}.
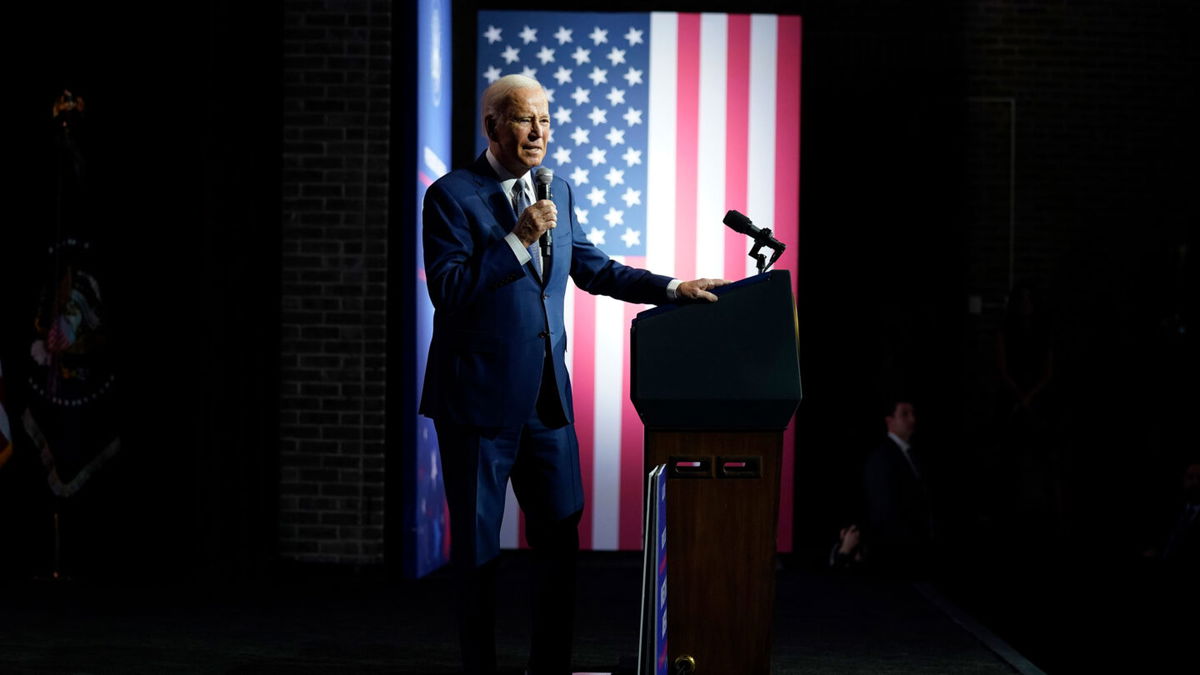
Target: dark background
{"type": "Point", "coordinates": [182, 144]}
{"type": "Point", "coordinates": [906, 132]}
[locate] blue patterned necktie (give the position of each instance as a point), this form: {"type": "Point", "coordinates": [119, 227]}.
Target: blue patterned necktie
{"type": "Point", "coordinates": [521, 202]}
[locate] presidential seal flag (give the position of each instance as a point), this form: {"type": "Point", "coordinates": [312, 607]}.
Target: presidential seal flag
{"type": "Point", "coordinates": [660, 122]}
{"type": "Point", "coordinates": [71, 417]}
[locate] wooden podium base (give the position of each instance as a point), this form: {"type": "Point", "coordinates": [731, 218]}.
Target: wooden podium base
{"type": "Point", "coordinates": [722, 512]}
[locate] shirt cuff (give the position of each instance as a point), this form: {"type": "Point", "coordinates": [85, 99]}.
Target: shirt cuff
{"type": "Point", "coordinates": [518, 248]}
{"type": "Point", "coordinates": [672, 289]}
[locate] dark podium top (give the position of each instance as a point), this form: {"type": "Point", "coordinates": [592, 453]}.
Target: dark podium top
{"type": "Point", "coordinates": [733, 364]}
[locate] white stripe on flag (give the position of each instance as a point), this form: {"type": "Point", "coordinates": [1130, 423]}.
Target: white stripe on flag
{"type": "Point", "coordinates": [606, 481]}
{"type": "Point", "coordinates": [760, 201]}
{"type": "Point", "coordinates": [710, 183]}
{"type": "Point", "coordinates": [510, 528]}
{"type": "Point", "coordinates": [660, 182]}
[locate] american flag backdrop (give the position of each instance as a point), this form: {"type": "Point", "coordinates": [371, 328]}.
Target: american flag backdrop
{"type": "Point", "coordinates": [661, 122]}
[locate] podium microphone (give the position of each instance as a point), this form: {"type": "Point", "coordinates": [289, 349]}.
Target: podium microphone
{"type": "Point", "coordinates": [541, 187]}
{"type": "Point", "coordinates": [762, 239]}
{"type": "Point", "coordinates": [741, 224]}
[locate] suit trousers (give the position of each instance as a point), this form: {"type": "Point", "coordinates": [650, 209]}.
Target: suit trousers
{"type": "Point", "coordinates": [542, 459]}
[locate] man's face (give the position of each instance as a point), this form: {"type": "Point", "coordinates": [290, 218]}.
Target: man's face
{"type": "Point", "coordinates": [902, 421]}
{"type": "Point", "coordinates": [518, 137]}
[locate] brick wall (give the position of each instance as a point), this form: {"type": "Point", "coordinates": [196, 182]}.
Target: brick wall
{"type": "Point", "coordinates": [1090, 105]}
{"type": "Point", "coordinates": [938, 138]}
{"type": "Point", "coordinates": [1102, 93]}
{"type": "Point", "coordinates": [337, 73]}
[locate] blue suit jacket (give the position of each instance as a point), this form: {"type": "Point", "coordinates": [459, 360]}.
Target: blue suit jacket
{"type": "Point", "coordinates": [494, 319]}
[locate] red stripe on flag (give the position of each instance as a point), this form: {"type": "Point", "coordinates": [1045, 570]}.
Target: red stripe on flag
{"type": "Point", "coordinates": [783, 536]}
{"type": "Point", "coordinates": [787, 211]}
{"type": "Point", "coordinates": [583, 376]}
{"type": "Point", "coordinates": [737, 138]}
{"type": "Point", "coordinates": [629, 534]}
{"type": "Point", "coordinates": [687, 143]}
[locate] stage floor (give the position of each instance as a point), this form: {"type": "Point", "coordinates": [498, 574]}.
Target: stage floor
{"type": "Point", "coordinates": [334, 621]}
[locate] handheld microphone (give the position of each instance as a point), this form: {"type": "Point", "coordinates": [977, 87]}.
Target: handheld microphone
{"type": "Point", "coordinates": [541, 187]}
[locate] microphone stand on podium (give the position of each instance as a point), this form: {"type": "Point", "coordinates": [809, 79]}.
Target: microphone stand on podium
{"type": "Point", "coordinates": [716, 385]}
{"type": "Point", "coordinates": [762, 239]}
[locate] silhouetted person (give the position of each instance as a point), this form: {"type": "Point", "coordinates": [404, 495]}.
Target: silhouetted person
{"type": "Point", "coordinates": [899, 518]}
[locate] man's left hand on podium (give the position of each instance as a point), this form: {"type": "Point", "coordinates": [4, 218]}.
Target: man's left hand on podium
{"type": "Point", "coordinates": [697, 289]}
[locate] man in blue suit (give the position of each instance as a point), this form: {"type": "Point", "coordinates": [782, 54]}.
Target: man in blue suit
{"type": "Point", "coordinates": [496, 383]}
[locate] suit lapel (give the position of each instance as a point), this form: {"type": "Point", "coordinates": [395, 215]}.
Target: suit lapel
{"type": "Point", "coordinates": [488, 187]}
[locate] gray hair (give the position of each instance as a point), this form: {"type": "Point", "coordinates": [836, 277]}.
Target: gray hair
{"type": "Point", "coordinates": [496, 95]}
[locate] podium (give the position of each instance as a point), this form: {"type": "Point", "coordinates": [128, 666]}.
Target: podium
{"type": "Point", "coordinates": [715, 385]}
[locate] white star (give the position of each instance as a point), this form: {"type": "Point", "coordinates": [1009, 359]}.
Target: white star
{"type": "Point", "coordinates": [631, 237]}
{"type": "Point", "coordinates": [562, 75]}
{"type": "Point", "coordinates": [579, 176]}
{"type": "Point", "coordinates": [598, 76]}
{"type": "Point", "coordinates": [545, 55]}
{"type": "Point", "coordinates": [633, 76]}
{"type": "Point", "coordinates": [599, 35]}
{"type": "Point", "coordinates": [615, 96]}
{"type": "Point", "coordinates": [580, 135]}
{"type": "Point", "coordinates": [581, 56]}
{"type": "Point", "coordinates": [617, 56]}
{"type": "Point", "coordinates": [614, 217]}
{"type": "Point", "coordinates": [528, 34]}
{"type": "Point", "coordinates": [492, 74]}
{"type": "Point", "coordinates": [615, 136]}
{"type": "Point", "coordinates": [632, 197]}
{"type": "Point", "coordinates": [510, 54]}
{"type": "Point", "coordinates": [563, 35]}
{"type": "Point", "coordinates": [562, 116]}
{"type": "Point", "coordinates": [581, 96]}
{"type": "Point", "coordinates": [615, 176]}
{"type": "Point", "coordinates": [596, 237]}
{"type": "Point", "coordinates": [530, 71]}
{"type": "Point", "coordinates": [598, 116]}
{"type": "Point", "coordinates": [596, 196]}
{"type": "Point", "coordinates": [581, 214]}
{"type": "Point", "coordinates": [549, 95]}
{"type": "Point", "coordinates": [633, 117]}
{"type": "Point", "coordinates": [597, 155]}
{"type": "Point", "coordinates": [562, 155]}
{"type": "Point", "coordinates": [492, 34]}
{"type": "Point", "coordinates": [632, 157]}
{"type": "Point", "coordinates": [634, 36]}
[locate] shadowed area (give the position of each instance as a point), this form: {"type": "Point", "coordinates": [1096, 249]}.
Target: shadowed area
{"type": "Point", "coordinates": [341, 622]}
